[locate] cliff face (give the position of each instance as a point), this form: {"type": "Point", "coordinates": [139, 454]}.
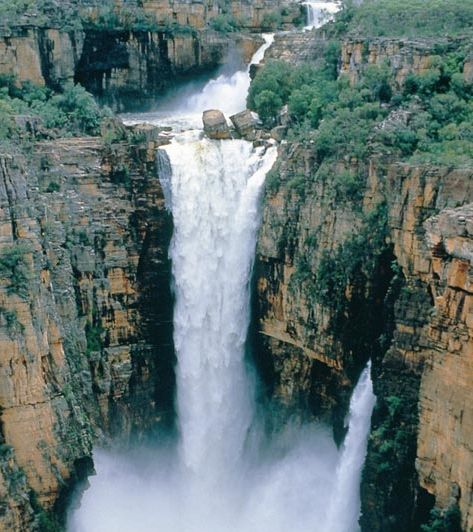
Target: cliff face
{"type": "Point", "coordinates": [404, 236]}
{"type": "Point", "coordinates": [128, 67]}
{"type": "Point", "coordinates": [252, 15]}
{"type": "Point", "coordinates": [84, 352]}
{"type": "Point", "coordinates": [122, 68]}
{"type": "Point", "coordinates": [41, 56]}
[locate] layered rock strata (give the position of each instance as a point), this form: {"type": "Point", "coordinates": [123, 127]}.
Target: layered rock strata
{"type": "Point", "coordinates": [85, 314]}
{"type": "Point", "coordinates": [407, 307]}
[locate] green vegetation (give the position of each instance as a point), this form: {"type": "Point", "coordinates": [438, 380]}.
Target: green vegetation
{"type": "Point", "coordinates": [271, 21]}
{"type": "Point", "coordinates": [53, 187]}
{"type": "Point", "coordinates": [448, 520]}
{"type": "Point", "coordinates": [225, 23]}
{"type": "Point", "coordinates": [9, 318]}
{"type": "Point", "coordinates": [93, 334]}
{"type": "Point", "coordinates": [351, 264]}
{"type": "Point", "coordinates": [429, 119]}
{"type": "Point", "coordinates": [53, 13]}
{"type": "Point", "coordinates": [69, 113]}
{"type": "Point", "coordinates": [393, 441]}
{"type": "Point", "coordinates": [108, 17]}
{"type": "Point", "coordinates": [14, 267]}
{"type": "Point", "coordinates": [406, 18]}
{"type": "Point", "coordinates": [44, 521]}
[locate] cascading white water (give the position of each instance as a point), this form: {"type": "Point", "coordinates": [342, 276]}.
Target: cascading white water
{"type": "Point", "coordinates": [215, 191]}
{"type": "Point", "coordinates": [226, 92]}
{"type": "Point", "coordinates": [345, 502]}
{"type": "Point", "coordinates": [319, 12]}
{"type": "Point", "coordinates": [218, 479]}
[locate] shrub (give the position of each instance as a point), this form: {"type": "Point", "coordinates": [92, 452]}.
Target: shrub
{"type": "Point", "coordinates": [72, 111]}
{"type": "Point", "coordinates": [225, 23]}
{"type": "Point", "coordinates": [15, 268]}
{"type": "Point", "coordinates": [448, 520]}
{"type": "Point", "coordinates": [10, 319]}
{"type": "Point", "coordinates": [267, 105]}
{"type": "Point", "coordinates": [53, 187]}
{"type": "Point", "coordinates": [93, 334]}
{"type": "Point", "coordinates": [271, 21]}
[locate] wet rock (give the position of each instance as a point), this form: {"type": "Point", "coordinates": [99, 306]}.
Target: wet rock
{"type": "Point", "coordinates": [278, 133]}
{"type": "Point", "coordinates": [215, 125]}
{"type": "Point", "coordinates": [246, 124]}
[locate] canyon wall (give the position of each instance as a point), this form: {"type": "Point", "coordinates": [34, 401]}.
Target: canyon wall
{"type": "Point", "coordinates": [122, 68]}
{"type": "Point", "coordinates": [85, 314]}
{"type": "Point", "coordinates": [128, 66]}
{"type": "Point", "coordinates": [404, 236]}
{"type": "Point", "coordinates": [254, 15]}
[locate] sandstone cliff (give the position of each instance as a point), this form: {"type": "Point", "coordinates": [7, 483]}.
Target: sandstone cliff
{"type": "Point", "coordinates": [85, 314]}
{"type": "Point", "coordinates": [128, 63]}
{"type": "Point", "coordinates": [404, 239]}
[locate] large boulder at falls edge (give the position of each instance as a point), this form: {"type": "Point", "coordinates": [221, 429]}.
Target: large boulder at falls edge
{"type": "Point", "coordinates": [215, 125]}
{"type": "Point", "coordinates": [246, 123]}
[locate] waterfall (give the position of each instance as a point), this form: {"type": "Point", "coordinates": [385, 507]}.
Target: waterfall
{"type": "Point", "coordinates": [215, 191]}
{"type": "Point", "coordinates": [220, 477]}
{"type": "Point", "coordinates": [227, 92]}
{"type": "Point", "coordinates": [319, 12]}
{"type": "Point", "coordinates": [345, 502]}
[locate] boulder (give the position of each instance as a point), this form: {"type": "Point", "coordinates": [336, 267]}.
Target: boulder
{"type": "Point", "coordinates": [215, 125]}
{"type": "Point", "coordinates": [246, 123]}
{"type": "Point", "coordinates": [278, 133]}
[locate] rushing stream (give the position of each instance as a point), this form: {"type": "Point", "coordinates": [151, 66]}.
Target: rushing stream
{"type": "Point", "coordinates": [224, 475]}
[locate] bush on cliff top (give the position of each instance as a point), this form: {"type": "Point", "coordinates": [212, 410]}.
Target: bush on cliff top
{"type": "Point", "coordinates": [429, 119]}
{"type": "Point", "coordinates": [406, 18]}
{"type": "Point", "coordinates": [71, 112]}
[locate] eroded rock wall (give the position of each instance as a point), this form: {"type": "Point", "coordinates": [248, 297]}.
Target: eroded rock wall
{"type": "Point", "coordinates": [406, 307]}
{"type": "Point", "coordinates": [85, 326]}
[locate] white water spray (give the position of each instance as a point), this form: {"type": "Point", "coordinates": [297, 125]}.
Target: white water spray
{"type": "Point", "coordinates": [215, 192]}
{"type": "Point", "coordinates": [227, 92]}
{"type": "Point", "coordinates": [345, 502]}
{"type": "Point", "coordinates": [319, 12]}
{"type": "Point", "coordinates": [215, 480]}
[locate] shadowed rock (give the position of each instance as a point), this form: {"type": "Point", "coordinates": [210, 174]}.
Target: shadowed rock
{"type": "Point", "coordinates": [246, 123]}
{"type": "Point", "coordinates": [215, 125]}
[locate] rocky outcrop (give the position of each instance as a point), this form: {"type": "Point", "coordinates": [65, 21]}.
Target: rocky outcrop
{"type": "Point", "coordinates": [215, 125]}
{"type": "Point", "coordinates": [401, 56]}
{"type": "Point", "coordinates": [84, 353]}
{"type": "Point", "coordinates": [250, 14]}
{"type": "Point", "coordinates": [403, 235]}
{"type": "Point", "coordinates": [246, 124]}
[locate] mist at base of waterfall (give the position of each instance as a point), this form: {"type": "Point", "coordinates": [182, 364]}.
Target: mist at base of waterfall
{"type": "Point", "coordinates": [285, 487]}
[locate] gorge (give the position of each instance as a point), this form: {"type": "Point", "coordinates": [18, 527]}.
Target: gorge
{"type": "Point", "coordinates": [311, 259]}
{"type": "Point", "coordinates": [225, 474]}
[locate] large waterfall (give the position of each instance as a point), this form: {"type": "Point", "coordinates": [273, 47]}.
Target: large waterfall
{"type": "Point", "coordinates": [225, 474]}
{"type": "Point", "coordinates": [215, 191]}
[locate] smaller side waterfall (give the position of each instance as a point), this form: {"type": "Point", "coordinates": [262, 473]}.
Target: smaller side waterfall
{"type": "Point", "coordinates": [319, 12]}
{"type": "Point", "coordinates": [344, 508]}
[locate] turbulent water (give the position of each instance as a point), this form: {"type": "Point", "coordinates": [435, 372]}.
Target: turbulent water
{"type": "Point", "coordinates": [224, 474]}
{"type": "Point", "coordinates": [183, 110]}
